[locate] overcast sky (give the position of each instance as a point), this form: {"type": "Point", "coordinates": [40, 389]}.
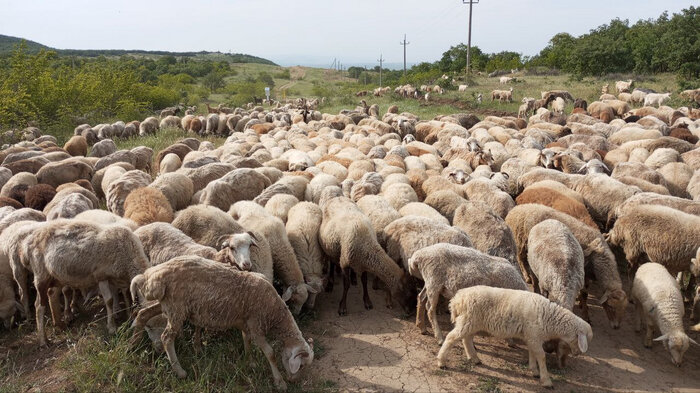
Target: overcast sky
{"type": "Point", "coordinates": [314, 31]}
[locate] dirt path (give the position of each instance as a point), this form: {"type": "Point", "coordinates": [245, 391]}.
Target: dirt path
{"type": "Point", "coordinates": [378, 351]}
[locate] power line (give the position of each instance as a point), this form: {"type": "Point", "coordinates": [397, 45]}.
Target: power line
{"type": "Point", "coordinates": [404, 43]}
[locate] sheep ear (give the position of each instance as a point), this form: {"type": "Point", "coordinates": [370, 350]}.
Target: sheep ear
{"type": "Point", "coordinates": [507, 176]}
{"type": "Point", "coordinates": [693, 341]}
{"type": "Point", "coordinates": [254, 237]}
{"type": "Point", "coordinates": [311, 289]}
{"type": "Point", "coordinates": [582, 342]}
{"type": "Point", "coordinates": [604, 298]}
{"type": "Point", "coordinates": [287, 294]}
{"type": "Point", "coordinates": [294, 362]}
{"type": "Point", "coordinates": [661, 338]}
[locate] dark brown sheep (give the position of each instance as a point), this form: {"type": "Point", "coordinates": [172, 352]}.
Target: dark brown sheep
{"type": "Point", "coordinates": [38, 196]}
{"type": "Point", "coordinates": [5, 201]}
{"type": "Point", "coordinates": [18, 193]}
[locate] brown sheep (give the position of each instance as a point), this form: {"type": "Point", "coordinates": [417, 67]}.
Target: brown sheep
{"type": "Point", "coordinates": [67, 171]}
{"type": "Point", "coordinates": [38, 196]}
{"type": "Point", "coordinates": [5, 201]}
{"type": "Point", "coordinates": [18, 192]}
{"type": "Point", "coordinates": [76, 146]}
{"type": "Point", "coordinates": [342, 161]}
{"type": "Point", "coordinates": [683, 134]}
{"type": "Point", "coordinates": [147, 205]}
{"type": "Point", "coordinates": [28, 165]}
{"type": "Point", "coordinates": [558, 201]}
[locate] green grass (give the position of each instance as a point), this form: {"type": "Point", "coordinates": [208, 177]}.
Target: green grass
{"type": "Point", "coordinates": [488, 385]}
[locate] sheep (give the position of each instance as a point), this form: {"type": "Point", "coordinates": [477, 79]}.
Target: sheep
{"type": "Point", "coordinates": [444, 201]}
{"type": "Point", "coordinates": [446, 268]}
{"type": "Point", "coordinates": [550, 197]}
{"type": "Point", "coordinates": [147, 205]}
{"type": "Point", "coordinates": [201, 176]}
{"type": "Point", "coordinates": [76, 146]}
{"type": "Point", "coordinates": [254, 217]}
{"type": "Point", "coordinates": [488, 192]}
{"type": "Point", "coordinates": [103, 148]}
{"type": "Point", "coordinates": [280, 204]}
{"type": "Point", "coordinates": [66, 171]}
{"type": "Point", "coordinates": [658, 233]}
{"type": "Point", "coordinates": [558, 105]}
{"type": "Point", "coordinates": [179, 149]}
{"type": "Point", "coordinates": [237, 185]}
{"type": "Point", "coordinates": [170, 163]}
{"type": "Point", "coordinates": [422, 210]}
{"type": "Point", "coordinates": [148, 126]}
{"type": "Point", "coordinates": [118, 190]}
{"type": "Point", "coordinates": [487, 231]}
{"type": "Point", "coordinates": [510, 313]}
{"type": "Point", "coordinates": [38, 196]}
{"type": "Point", "coordinates": [176, 187]}
{"type": "Point", "coordinates": [380, 212]}
{"type": "Point", "coordinates": [67, 190]}
{"type": "Point", "coordinates": [72, 253]}
{"type": "Point", "coordinates": [177, 286]}
{"type": "Point", "coordinates": [624, 86]}
{"type": "Point", "coordinates": [399, 194]}
{"type": "Point", "coordinates": [603, 194]}
{"type": "Point", "coordinates": [659, 303]}
{"type": "Point", "coordinates": [303, 225]}
{"type": "Point", "coordinates": [25, 178]}
{"type": "Point", "coordinates": [598, 255]}
{"type": "Point", "coordinates": [210, 227]}
{"type": "Point", "coordinates": [557, 267]}
{"type": "Point", "coordinates": [347, 237]}
{"type": "Point", "coordinates": [409, 234]}
{"type": "Point", "coordinates": [103, 217]}
{"type": "Point", "coordinates": [646, 198]}
{"type": "Point", "coordinates": [652, 99]}
{"type": "Point", "coordinates": [68, 207]}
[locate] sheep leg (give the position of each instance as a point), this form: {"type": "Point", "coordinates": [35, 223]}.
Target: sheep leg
{"type": "Point", "coordinates": [127, 301]}
{"type": "Point", "coordinates": [365, 294]}
{"type": "Point", "coordinates": [70, 306]}
{"type": "Point", "coordinates": [331, 277]}
{"type": "Point", "coordinates": [640, 317]}
{"type": "Point", "coordinates": [141, 319]}
{"type": "Point", "coordinates": [432, 302]}
{"type": "Point", "coordinates": [583, 303]}
{"type": "Point", "coordinates": [468, 344]}
{"type": "Point", "coordinates": [353, 277]}
{"type": "Point", "coordinates": [650, 332]}
{"type": "Point", "coordinates": [20, 276]}
{"type": "Point", "coordinates": [246, 342]}
{"type": "Point", "coordinates": [106, 293]}
{"type": "Point", "coordinates": [450, 340]}
{"type": "Point", "coordinates": [563, 351]}
{"type": "Point", "coordinates": [54, 307]}
{"type": "Point", "coordinates": [197, 339]}
{"type": "Point", "coordinates": [41, 302]}
{"type": "Point", "coordinates": [421, 312]}
{"type": "Point", "coordinates": [522, 258]}
{"type": "Point", "coordinates": [537, 352]}
{"type": "Point", "coordinates": [168, 338]}
{"type": "Point", "coordinates": [343, 307]}
{"type": "Point", "coordinates": [270, 355]}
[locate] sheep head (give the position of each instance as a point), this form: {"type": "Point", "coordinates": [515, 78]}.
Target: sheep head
{"type": "Point", "coordinates": [294, 358]}
{"type": "Point", "coordinates": [237, 249]}
{"type": "Point", "coordinates": [676, 343]}
{"type": "Point", "coordinates": [458, 176]}
{"type": "Point", "coordinates": [614, 303]}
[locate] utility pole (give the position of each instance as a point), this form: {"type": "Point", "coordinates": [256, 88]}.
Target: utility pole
{"type": "Point", "coordinates": [404, 43]}
{"type": "Point", "coordinates": [469, 40]}
{"type": "Point", "coordinates": [381, 61]}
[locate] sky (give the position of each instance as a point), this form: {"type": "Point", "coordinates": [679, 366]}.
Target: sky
{"type": "Point", "coordinates": [314, 32]}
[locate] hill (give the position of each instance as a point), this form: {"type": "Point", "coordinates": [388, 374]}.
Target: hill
{"type": "Point", "coordinates": [7, 43]}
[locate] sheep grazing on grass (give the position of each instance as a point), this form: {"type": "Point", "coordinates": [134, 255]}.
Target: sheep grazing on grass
{"type": "Point", "coordinates": [76, 146]}
{"type": "Point", "coordinates": [659, 303]}
{"type": "Point", "coordinates": [303, 225]}
{"type": "Point", "coordinates": [446, 268]}
{"type": "Point", "coordinates": [509, 313]}
{"type": "Point", "coordinates": [624, 86]}
{"type": "Point", "coordinates": [73, 253]}
{"type": "Point", "coordinates": [242, 300]}
{"type": "Point", "coordinates": [655, 99]}
{"type": "Point", "coordinates": [119, 189]}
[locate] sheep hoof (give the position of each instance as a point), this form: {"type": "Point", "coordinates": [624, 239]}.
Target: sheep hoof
{"type": "Point", "coordinates": [368, 305]}
{"type": "Point", "coordinates": [548, 384]}
{"type": "Point", "coordinates": [442, 365]}
{"type": "Point", "coordinates": [281, 385]}
{"type": "Point", "coordinates": [342, 311]}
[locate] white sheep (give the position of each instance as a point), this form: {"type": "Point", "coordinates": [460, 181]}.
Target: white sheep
{"type": "Point", "coordinates": [659, 302]}
{"type": "Point", "coordinates": [446, 268]}
{"type": "Point", "coordinates": [657, 99]}
{"type": "Point", "coordinates": [303, 225]}
{"type": "Point", "coordinates": [509, 313]}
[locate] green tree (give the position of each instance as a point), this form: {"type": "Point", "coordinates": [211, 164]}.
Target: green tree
{"type": "Point", "coordinates": [213, 81]}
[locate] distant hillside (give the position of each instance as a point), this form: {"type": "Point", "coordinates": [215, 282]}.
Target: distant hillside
{"type": "Point", "coordinates": [7, 44]}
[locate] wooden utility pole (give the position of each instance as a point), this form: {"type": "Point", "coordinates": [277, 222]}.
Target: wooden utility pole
{"type": "Point", "coordinates": [404, 43]}
{"type": "Point", "coordinates": [469, 40]}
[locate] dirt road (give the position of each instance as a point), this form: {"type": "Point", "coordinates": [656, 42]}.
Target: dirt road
{"type": "Point", "coordinates": [379, 351]}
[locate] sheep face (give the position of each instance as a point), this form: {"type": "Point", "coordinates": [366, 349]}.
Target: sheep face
{"type": "Point", "coordinates": [458, 176]}
{"type": "Point", "coordinates": [547, 158]}
{"type": "Point", "coordinates": [614, 303]}
{"type": "Point", "coordinates": [294, 358]}
{"type": "Point", "coordinates": [579, 343]}
{"type": "Point", "coordinates": [676, 344]}
{"type": "Point", "coordinates": [296, 296]}
{"type": "Point", "coordinates": [317, 283]}
{"type": "Point", "coordinates": [238, 249]}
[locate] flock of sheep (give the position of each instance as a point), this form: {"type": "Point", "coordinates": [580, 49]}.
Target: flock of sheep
{"type": "Point", "coordinates": [471, 210]}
